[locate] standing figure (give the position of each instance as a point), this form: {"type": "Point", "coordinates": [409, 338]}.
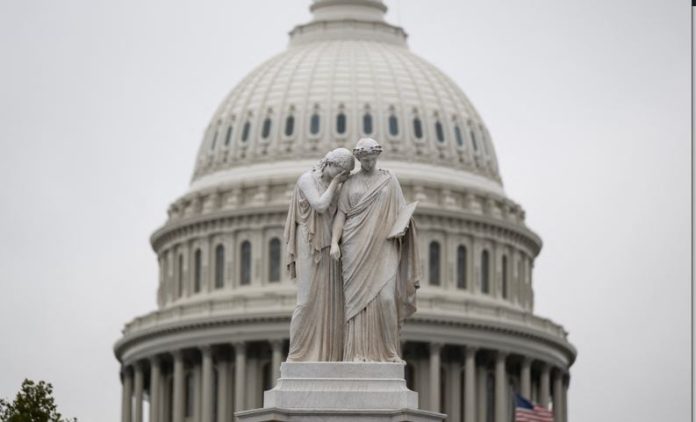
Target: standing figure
{"type": "Point", "coordinates": [379, 270]}
{"type": "Point", "coordinates": [317, 322]}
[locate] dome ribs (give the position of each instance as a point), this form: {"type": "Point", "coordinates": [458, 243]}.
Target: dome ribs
{"type": "Point", "coordinates": [406, 148]}
{"type": "Point", "coordinates": [425, 111]}
{"type": "Point", "coordinates": [350, 77]}
{"type": "Point", "coordinates": [284, 106]}
{"type": "Point", "coordinates": [265, 109]}
{"type": "Point", "coordinates": [308, 100]}
{"type": "Point", "coordinates": [443, 87]}
{"type": "Point", "coordinates": [325, 141]}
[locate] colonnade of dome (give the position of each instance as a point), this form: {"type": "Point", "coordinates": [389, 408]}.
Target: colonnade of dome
{"type": "Point", "coordinates": [210, 382]}
{"type": "Point", "coordinates": [220, 330]}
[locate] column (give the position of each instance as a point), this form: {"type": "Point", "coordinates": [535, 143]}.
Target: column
{"type": "Point", "coordinates": [454, 394]}
{"type": "Point", "coordinates": [526, 378]}
{"type": "Point", "coordinates": [544, 386]}
{"type": "Point", "coordinates": [239, 375]}
{"type": "Point", "coordinates": [197, 388]}
{"type": "Point", "coordinates": [138, 393]}
{"type": "Point", "coordinates": [178, 386]}
{"type": "Point", "coordinates": [223, 370]}
{"type": "Point", "coordinates": [423, 381]}
{"type": "Point", "coordinates": [127, 395]}
{"type": "Point", "coordinates": [166, 392]}
{"type": "Point", "coordinates": [207, 384]}
{"type": "Point", "coordinates": [557, 393]}
{"type": "Point", "coordinates": [482, 394]}
{"type": "Point", "coordinates": [276, 359]}
{"type": "Point", "coordinates": [435, 349]}
{"type": "Point", "coordinates": [154, 389]}
{"type": "Point", "coordinates": [501, 388]}
{"type": "Point", "coordinates": [470, 385]}
{"type": "Point", "coordinates": [566, 384]}
{"type": "Point", "coordinates": [253, 383]}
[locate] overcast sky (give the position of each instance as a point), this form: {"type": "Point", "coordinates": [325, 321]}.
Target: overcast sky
{"type": "Point", "coordinates": [103, 105]}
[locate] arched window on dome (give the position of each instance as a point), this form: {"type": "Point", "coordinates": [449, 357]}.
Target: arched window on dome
{"type": "Point", "coordinates": [393, 125]}
{"type": "Point", "coordinates": [505, 276]}
{"type": "Point", "coordinates": [289, 125]}
{"type": "Point", "coordinates": [180, 276]}
{"type": "Point", "coordinates": [485, 272]}
{"type": "Point", "coordinates": [461, 267]}
{"type": "Point", "coordinates": [166, 281]}
{"type": "Point", "coordinates": [434, 263]}
{"type": "Point", "coordinates": [274, 260]}
{"type": "Point", "coordinates": [417, 128]}
{"type": "Point", "coordinates": [197, 264]}
{"type": "Point", "coordinates": [266, 128]}
{"type": "Point", "coordinates": [458, 136]}
{"type": "Point", "coordinates": [245, 131]}
{"type": "Point", "coordinates": [215, 135]}
{"type": "Point", "coordinates": [473, 139]}
{"type": "Point", "coordinates": [228, 136]}
{"type": "Point", "coordinates": [245, 264]}
{"type": "Point", "coordinates": [341, 123]}
{"type": "Point", "coordinates": [219, 266]}
{"type": "Point", "coordinates": [314, 124]}
{"type": "Point", "coordinates": [482, 130]}
{"type": "Point", "coordinates": [367, 123]}
{"type": "Point", "coordinates": [439, 132]}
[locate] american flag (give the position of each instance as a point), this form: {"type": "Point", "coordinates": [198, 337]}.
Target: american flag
{"type": "Point", "coordinates": [525, 411]}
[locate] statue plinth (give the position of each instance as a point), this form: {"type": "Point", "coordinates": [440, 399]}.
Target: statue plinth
{"type": "Point", "coordinates": [340, 391]}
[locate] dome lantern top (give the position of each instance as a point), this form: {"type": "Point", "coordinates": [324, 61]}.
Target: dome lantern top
{"type": "Point", "coordinates": [348, 20]}
{"type": "Point", "coordinates": [359, 10]}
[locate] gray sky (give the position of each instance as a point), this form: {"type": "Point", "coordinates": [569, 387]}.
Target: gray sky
{"type": "Point", "coordinates": [103, 105]}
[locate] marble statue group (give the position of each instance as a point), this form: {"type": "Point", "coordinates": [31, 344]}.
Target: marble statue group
{"type": "Point", "coordinates": [351, 246]}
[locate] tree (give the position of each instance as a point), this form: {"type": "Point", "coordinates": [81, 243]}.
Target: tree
{"type": "Point", "coordinates": [34, 403]}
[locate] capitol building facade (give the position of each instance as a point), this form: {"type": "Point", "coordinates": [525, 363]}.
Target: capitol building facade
{"type": "Point", "coordinates": [220, 330]}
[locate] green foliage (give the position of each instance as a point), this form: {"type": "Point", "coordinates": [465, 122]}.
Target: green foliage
{"type": "Point", "coordinates": [34, 403]}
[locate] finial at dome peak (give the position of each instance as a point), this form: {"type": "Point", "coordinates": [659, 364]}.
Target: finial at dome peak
{"type": "Point", "coordinates": [361, 10]}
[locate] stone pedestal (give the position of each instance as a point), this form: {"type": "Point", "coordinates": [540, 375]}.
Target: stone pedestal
{"type": "Point", "coordinates": [340, 391]}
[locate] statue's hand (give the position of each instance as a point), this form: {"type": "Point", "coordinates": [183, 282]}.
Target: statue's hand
{"type": "Point", "coordinates": [342, 177]}
{"type": "Point", "coordinates": [335, 251]}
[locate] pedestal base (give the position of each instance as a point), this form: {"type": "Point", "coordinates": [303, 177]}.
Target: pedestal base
{"type": "Point", "coordinates": [298, 415]}
{"type": "Point", "coordinates": [340, 392]}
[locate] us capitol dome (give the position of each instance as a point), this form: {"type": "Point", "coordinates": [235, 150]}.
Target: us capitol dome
{"type": "Point", "coordinates": [224, 301]}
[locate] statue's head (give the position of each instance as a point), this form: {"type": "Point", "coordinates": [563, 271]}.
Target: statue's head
{"type": "Point", "coordinates": [366, 146]}
{"type": "Point", "coordinates": [337, 161]}
{"type": "Point", "coordinates": [366, 151]}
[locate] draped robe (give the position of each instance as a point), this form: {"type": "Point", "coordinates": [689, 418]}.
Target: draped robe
{"type": "Point", "coordinates": [380, 275]}
{"type": "Point", "coordinates": [317, 321]}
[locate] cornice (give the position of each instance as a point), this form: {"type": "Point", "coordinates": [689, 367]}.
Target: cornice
{"type": "Point", "coordinates": [431, 322]}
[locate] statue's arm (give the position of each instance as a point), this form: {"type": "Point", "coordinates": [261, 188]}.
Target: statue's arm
{"type": "Point", "coordinates": [336, 233]}
{"type": "Point", "coordinates": [320, 203]}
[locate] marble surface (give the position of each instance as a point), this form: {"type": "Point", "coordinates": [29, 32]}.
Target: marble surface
{"type": "Point", "coordinates": [288, 415]}
{"type": "Point", "coordinates": [340, 392]}
{"type": "Point", "coordinates": [341, 385]}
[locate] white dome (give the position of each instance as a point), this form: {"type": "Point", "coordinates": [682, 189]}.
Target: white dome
{"type": "Point", "coordinates": [345, 72]}
{"type": "Point", "coordinates": [223, 301]}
